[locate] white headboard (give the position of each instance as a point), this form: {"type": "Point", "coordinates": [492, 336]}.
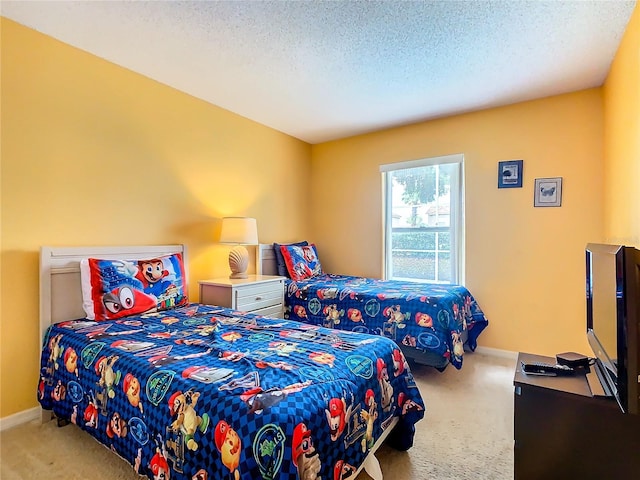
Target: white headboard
{"type": "Point", "coordinates": [60, 289]}
{"type": "Point", "coordinates": [266, 260]}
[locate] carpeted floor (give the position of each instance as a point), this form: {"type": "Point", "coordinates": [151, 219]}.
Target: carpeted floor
{"type": "Point", "coordinates": [467, 433]}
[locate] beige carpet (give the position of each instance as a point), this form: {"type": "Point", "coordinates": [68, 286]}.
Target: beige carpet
{"type": "Point", "coordinates": [467, 433]}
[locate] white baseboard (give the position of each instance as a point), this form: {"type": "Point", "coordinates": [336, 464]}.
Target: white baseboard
{"type": "Point", "coordinates": [496, 352]}
{"type": "Point", "coordinates": [19, 418]}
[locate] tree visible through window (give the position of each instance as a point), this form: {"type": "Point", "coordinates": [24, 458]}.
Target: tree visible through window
{"type": "Point", "coordinates": [422, 219]}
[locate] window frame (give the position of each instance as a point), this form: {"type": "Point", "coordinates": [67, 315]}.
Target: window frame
{"type": "Point", "coordinates": [456, 214]}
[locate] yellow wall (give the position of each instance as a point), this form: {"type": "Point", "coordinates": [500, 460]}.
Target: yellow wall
{"type": "Point", "coordinates": [94, 154]}
{"type": "Point", "coordinates": [622, 140]}
{"type": "Point", "coordinates": [524, 265]}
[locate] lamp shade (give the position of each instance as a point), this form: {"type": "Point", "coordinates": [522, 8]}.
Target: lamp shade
{"type": "Point", "coordinates": [239, 231]}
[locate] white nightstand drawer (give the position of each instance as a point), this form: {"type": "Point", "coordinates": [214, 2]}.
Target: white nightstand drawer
{"type": "Point", "coordinates": [261, 294]}
{"type": "Point", "coordinates": [258, 291]}
{"type": "Point", "coordinates": [258, 300]}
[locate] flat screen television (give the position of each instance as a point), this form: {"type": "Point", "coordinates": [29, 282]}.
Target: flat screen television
{"type": "Point", "coordinates": [613, 320]}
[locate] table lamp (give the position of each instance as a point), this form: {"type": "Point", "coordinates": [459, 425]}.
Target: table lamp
{"type": "Point", "coordinates": [239, 231]}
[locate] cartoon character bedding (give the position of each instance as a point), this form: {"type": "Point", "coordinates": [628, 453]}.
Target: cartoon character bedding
{"type": "Point", "coordinates": [421, 317]}
{"type": "Point", "coordinates": [425, 317]}
{"type": "Point", "coordinates": [119, 288]}
{"type": "Point", "coordinates": [201, 392]}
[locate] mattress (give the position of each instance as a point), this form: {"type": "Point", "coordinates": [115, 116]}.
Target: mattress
{"type": "Point", "coordinates": [205, 392]}
{"type": "Point", "coordinates": [427, 318]}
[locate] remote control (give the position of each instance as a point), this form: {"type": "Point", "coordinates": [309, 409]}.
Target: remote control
{"type": "Point", "coordinates": [537, 368]}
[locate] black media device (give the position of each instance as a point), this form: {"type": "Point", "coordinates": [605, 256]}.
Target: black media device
{"type": "Point", "coordinates": [573, 360]}
{"type": "Point", "coordinates": [613, 320]}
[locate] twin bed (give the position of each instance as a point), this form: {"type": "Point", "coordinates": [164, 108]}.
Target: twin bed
{"type": "Point", "coordinates": [199, 392]}
{"type": "Point", "coordinates": [432, 324]}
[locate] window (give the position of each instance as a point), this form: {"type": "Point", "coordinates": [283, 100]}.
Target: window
{"type": "Point", "coordinates": [423, 219]}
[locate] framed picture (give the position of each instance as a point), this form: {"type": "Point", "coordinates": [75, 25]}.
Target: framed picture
{"type": "Point", "coordinates": [548, 192]}
{"type": "Point", "coordinates": [510, 174]}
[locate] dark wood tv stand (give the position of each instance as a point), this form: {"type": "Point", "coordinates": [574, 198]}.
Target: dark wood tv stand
{"type": "Point", "coordinates": [563, 431]}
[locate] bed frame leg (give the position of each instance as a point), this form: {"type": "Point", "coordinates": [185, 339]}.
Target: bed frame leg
{"type": "Point", "coordinates": [62, 422]}
{"type": "Point", "coordinates": [372, 467]}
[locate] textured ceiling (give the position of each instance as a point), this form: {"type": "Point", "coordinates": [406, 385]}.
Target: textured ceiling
{"type": "Point", "coordinates": [322, 70]}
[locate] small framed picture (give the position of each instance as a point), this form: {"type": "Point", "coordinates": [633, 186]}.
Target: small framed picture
{"type": "Point", "coordinates": [548, 192]}
{"type": "Point", "coordinates": [510, 174]}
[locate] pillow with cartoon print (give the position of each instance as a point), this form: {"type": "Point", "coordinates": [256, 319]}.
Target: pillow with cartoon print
{"type": "Point", "coordinates": [120, 288]}
{"type": "Point", "coordinates": [280, 263]}
{"type": "Point", "coordinates": [302, 261]}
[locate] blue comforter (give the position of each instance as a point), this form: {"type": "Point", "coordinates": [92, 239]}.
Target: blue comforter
{"type": "Point", "coordinates": [205, 392]}
{"type": "Point", "coordinates": [427, 317]}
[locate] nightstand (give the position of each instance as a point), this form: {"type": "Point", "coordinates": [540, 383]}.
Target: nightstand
{"type": "Point", "coordinates": [259, 294]}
